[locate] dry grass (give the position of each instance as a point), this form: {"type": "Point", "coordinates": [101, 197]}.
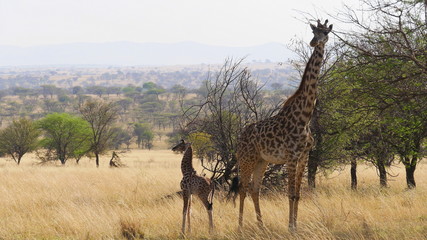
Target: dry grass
{"type": "Point", "coordinates": [83, 202]}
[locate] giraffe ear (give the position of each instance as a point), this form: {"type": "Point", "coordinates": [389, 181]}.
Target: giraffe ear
{"type": "Point", "coordinates": [312, 27]}
{"type": "Point", "coordinates": [330, 27]}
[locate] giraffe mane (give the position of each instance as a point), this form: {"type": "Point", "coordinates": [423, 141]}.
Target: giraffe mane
{"type": "Point", "coordinates": [289, 99]}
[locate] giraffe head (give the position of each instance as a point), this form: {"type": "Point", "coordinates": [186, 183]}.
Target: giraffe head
{"type": "Point", "coordinates": [320, 33]}
{"type": "Point", "coordinates": [181, 146]}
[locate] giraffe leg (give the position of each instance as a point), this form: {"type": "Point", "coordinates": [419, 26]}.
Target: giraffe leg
{"type": "Point", "coordinates": [243, 188]}
{"type": "Point", "coordinates": [208, 205]}
{"type": "Point", "coordinates": [291, 170]}
{"type": "Point", "coordinates": [185, 210]}
{"type": "Point", "coordinates": [256, 184]}
{"type": "Point", "coordinates": [210, 208]}
{"type": "Point", "coordinates": [299, 174]}
{"type": "Point", "coordinates": [189, 214]}
{"type": "Point", "coordinates": [302, 163]}
{"type": "Point", "coordinates": [210, 216]}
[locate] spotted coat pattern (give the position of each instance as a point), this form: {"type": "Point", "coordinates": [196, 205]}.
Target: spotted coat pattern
{"type": "Point", "coordinates": [192, 183]}
{"type": "Point", "coordinates": [284, 138]}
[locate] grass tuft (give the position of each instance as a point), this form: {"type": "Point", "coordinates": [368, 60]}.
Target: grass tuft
{"type": "Point", "coordinates": [131, 229]}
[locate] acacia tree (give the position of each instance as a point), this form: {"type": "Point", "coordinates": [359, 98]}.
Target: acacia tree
{"type": "Point", "coordinates": [100, 115]}
{"type": "Point", "coordinates": [409, 129]}
{"type": "Point", "coordinates": [144, 135]}
{"type": "Point", "coordinates": [65, 135]}
{"type": "Point", "coordinates": [377, 71]}
{"type": "Point", "coordinates": [120, 136]}
{"type": "Point", "coordinates": [19, 138]}
{"type": "Point", "coordinates": [387, 66]}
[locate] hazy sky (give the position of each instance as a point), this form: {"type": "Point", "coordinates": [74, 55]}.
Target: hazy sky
{"type": "Point", "coordinates": [215, 22]}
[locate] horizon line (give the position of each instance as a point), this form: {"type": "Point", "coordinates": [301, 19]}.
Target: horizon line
{"type": "Point", "coordinates": [135, 42]}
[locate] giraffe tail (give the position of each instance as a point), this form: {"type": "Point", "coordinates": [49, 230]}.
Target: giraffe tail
{"type": "Point", "coordinates": [211, 196]}
{"type": "Point", "coordinates": [234, 189]}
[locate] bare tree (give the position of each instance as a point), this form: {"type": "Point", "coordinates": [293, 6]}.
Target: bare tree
{"type": "Point", "coordinates": [388, 30]}
{"type": "Point", "coordinates": [100, 115]}
{"type": "Point", "coordinates": [233, 99]}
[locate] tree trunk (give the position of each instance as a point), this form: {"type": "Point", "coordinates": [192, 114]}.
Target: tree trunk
{"type": "Point", "coordinates": [410, 166]}
{"type": "Point", "coordinates": [228, 170]}
{"type": "Point", "coordinates": [97, 159]}
{"type": "Point", "coordinates": [383, 173]}
{"type": "Point", "coordinates": [312, 170]}
{"type": "Point", "coordinates": [353, 173]}
{"type": "Point", "coordinates": [410, 179]}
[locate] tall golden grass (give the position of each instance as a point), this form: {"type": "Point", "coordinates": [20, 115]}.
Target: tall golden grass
{"type": "Point", "coordinates": [138, 201]}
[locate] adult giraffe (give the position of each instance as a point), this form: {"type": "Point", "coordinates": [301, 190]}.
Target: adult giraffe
{"type": "Point", "coordinates": [284, 138]}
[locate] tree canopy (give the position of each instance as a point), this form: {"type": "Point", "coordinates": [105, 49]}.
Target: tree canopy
{"type": "Point", "coordinates": [19, 138]}
{"type": "Point", "coordinates": [66, 136]}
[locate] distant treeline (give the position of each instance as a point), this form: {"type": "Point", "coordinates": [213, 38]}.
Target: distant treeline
{"type": "Point", "coordinates": [189, 76]}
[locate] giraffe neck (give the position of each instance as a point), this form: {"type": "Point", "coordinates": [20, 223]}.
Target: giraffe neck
{"type": "Point", "coordinates": [301, 104]}
{"type": "Point", "coordinates": [187, 162]}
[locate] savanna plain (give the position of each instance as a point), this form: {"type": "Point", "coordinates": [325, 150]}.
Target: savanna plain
{"type": "Point", "coordinates": [139, 202]}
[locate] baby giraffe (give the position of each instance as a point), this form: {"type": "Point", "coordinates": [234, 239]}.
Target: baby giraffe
{"type": "Point", "coordinates": [192, 183]}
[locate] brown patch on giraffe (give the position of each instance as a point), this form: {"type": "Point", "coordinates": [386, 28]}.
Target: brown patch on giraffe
{"type": "Point", "coordinates": [306, 114]}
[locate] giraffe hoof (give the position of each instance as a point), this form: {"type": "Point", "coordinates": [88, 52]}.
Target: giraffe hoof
{"type": "Point", "coordinates": [292, 229]}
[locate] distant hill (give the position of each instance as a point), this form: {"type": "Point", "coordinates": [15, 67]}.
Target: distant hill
{"type": "Point", "coordinates": [129, 53]}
